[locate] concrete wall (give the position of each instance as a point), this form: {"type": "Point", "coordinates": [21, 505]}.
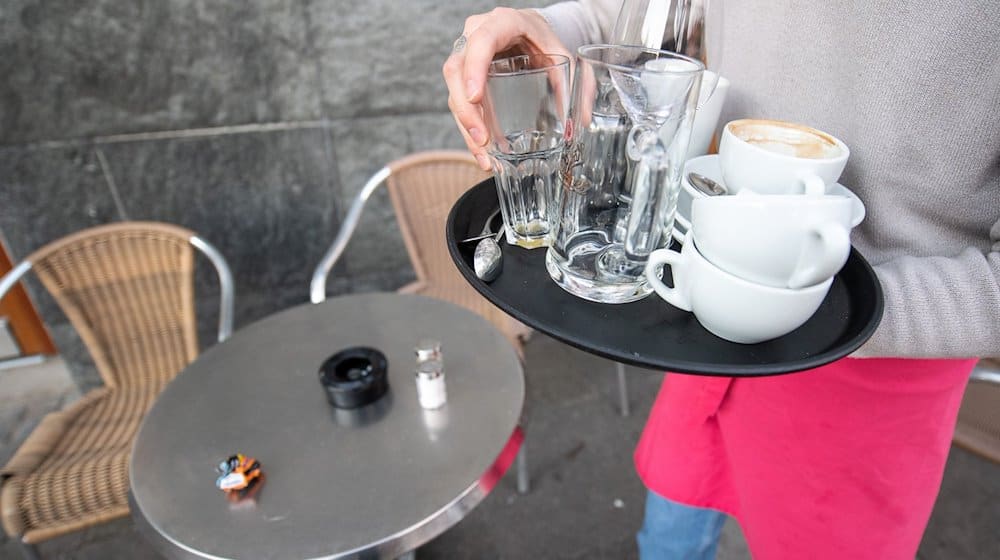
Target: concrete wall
{"type": "Point", "coordinates": [252, 122]}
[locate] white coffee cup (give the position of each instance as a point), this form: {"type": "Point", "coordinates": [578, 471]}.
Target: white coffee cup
{"type": "Point", "coordinates": [785, 241]}
{"type": "Point", "coordinates": [777, 157]}
{"type": "Point", "coordinates": [727, 306]}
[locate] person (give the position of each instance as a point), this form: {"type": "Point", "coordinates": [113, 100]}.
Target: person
{"type": "Point", "coordinates": [843, 461]}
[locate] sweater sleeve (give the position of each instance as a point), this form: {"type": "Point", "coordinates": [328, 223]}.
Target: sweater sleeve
{"type": "Point", "coordinates": [582, 22]}
{"type": "Point", "coordinates": [941, 307]}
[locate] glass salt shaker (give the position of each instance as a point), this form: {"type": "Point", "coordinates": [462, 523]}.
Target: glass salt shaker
{"type": "Point", "coordinates": [430, 384]}
{"type": "Point", "coordinates": [430, 374]}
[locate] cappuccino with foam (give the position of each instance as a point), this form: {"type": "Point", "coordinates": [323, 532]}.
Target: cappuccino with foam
{"type": "Point", "coordinates": [788, 139]}
{"type": "Point", "coordinates": [776, 157]}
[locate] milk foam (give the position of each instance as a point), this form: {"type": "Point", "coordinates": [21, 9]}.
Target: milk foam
{"type": "Point", "coordinates": [789, 140]}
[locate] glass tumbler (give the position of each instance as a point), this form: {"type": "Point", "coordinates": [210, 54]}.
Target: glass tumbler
{"type": "Point", "coordinates": [626, 141]}
{"type": "Point", "coordinates": [525, 107]}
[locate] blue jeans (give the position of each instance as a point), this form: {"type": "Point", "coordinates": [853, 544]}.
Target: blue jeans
{"type": "Point", "coordinates": [673, 531]}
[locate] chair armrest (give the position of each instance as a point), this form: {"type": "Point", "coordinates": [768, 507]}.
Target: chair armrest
{"type": "Point", "coordinates": [317, 287]}
{"type": "Point", "coordinates": [988, 370]}
{"type": "Point", "coordinates": [13, 276]}
{"type": "Point", "coordinates": [226, 285]}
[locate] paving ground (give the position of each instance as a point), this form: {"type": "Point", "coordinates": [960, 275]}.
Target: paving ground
{"type": "Point", "coordinates": [585, 502]}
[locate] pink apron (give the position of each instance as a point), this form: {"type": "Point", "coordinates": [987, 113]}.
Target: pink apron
{"type": "Point", "coordinates": [843, 461]}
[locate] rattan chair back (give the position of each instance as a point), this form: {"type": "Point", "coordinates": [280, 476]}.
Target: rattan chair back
{"type": "Point", "coordinates": [423, 188]}
{"type": "Point", "coordinates": [128, 290]}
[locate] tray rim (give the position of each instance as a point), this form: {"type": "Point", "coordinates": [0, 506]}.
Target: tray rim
{"type": "Point", "coordinates": [681, 366]}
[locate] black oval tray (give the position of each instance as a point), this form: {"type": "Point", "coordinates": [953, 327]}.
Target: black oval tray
{"type": "Point", "coordinates": [650, 333]}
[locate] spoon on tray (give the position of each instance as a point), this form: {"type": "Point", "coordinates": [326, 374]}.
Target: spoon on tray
{"type": "Point", "coordinates": [488, 260]}
{"type": "Point", "coordinates": [705, 185]}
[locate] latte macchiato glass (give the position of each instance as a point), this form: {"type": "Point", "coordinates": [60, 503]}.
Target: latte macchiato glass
{"type": "Point", "coordinates": [777, 157]}
{"type": "Point", "coordinates": [627, 137]}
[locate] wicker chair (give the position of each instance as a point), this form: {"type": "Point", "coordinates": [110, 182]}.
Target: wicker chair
{"type": "Point", "coordinates": [128, 290]}
{"type": "Point", "coordinates": [978, 426]}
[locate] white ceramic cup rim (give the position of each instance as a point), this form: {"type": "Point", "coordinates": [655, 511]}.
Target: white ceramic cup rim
{"type": "Point", "coordinates": [835, 189]}
{"type": "Point", "coordinates": [771, 200]}
{"type": "Point", "coordinates": [730, 277]}
{"type": "Point", "coordinates": [845, 152]}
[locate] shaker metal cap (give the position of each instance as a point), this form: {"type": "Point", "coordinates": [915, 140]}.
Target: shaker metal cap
{"type": "Point", "coordinates": [430, 369]}
{"type": "Point", "coordinates": [428, 349]}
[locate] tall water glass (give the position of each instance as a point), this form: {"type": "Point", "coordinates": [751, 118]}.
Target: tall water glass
{"type": "Point", "coordinates": [626, 141]}
{"type": "Point", "coordinates": [679, 26]}
{"type": "Point", "coordinates": [525, 106]}
{"type": "Point", "coordinates": [672, 25]}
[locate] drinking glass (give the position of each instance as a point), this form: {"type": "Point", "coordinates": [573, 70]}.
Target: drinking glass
{"type": "Point", "coordinates": [678, 26]}
{"type": "Point", "coordinates": [525, 106]}
{"type": "Point", "coordinates": [626, 141]}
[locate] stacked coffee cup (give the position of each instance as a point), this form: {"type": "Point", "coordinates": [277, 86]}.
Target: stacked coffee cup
{"type": "Point", "coordinates": [757, 263]}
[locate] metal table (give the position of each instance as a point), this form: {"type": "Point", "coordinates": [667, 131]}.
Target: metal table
{"type": "Point", "coordinates": [371, 484]}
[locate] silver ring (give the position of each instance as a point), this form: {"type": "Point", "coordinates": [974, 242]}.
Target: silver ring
{"type": "Point", "coordinates": [459, 45]}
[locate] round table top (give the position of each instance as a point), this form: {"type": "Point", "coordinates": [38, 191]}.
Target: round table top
{"type": "Point", "coordinates": [376, 482]}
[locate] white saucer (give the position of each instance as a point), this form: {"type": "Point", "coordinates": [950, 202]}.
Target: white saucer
{"type": "Point", "coordinates": [709, 167]}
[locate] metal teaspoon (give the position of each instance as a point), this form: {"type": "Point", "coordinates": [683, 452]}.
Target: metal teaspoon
{"type": "Point", "coordinates": [488, 260]}
{"type": "Point", "coordinates": [706, 185]}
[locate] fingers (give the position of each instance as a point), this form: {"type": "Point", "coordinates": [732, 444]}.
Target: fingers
{"type": "Point", "coordinates": [466, 68]}
{"type": "Point", "coordinates": [502, 30]}
{"type": "Point", "coordinates": [477, 144]}
{"type": "Point", "coordinates": [468, 116]}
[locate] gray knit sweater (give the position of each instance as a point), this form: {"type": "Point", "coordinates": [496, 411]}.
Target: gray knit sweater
{"type": "Point", "coordinates": [913, 88]}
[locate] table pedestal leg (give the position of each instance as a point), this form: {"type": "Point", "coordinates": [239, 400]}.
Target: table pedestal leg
{"type": "Point", "coordinates": [523, 483]}
{"type": "Point", "coordinates": [622, 389]}
{"type": "Point", "coordinates": [411, 555]}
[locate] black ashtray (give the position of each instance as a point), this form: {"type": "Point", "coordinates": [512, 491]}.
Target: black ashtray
{"type": "Point", "coordinates": [355, 377]}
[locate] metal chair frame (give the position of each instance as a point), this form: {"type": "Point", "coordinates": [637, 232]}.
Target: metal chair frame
{"type": "Point", "coordinates": [987, 371]}
{"type": "Point", "coordinates": [226, 285]}
{"type": "Point", "coordinates": [978, 426]}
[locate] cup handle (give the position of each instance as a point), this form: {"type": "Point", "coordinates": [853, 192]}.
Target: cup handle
{"type": "Point", "coordinates": [813, 184]}
{"type": "Point", "coordinates": [823, 262]}
{"type": "Point", "coordinates": [676, 296]}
